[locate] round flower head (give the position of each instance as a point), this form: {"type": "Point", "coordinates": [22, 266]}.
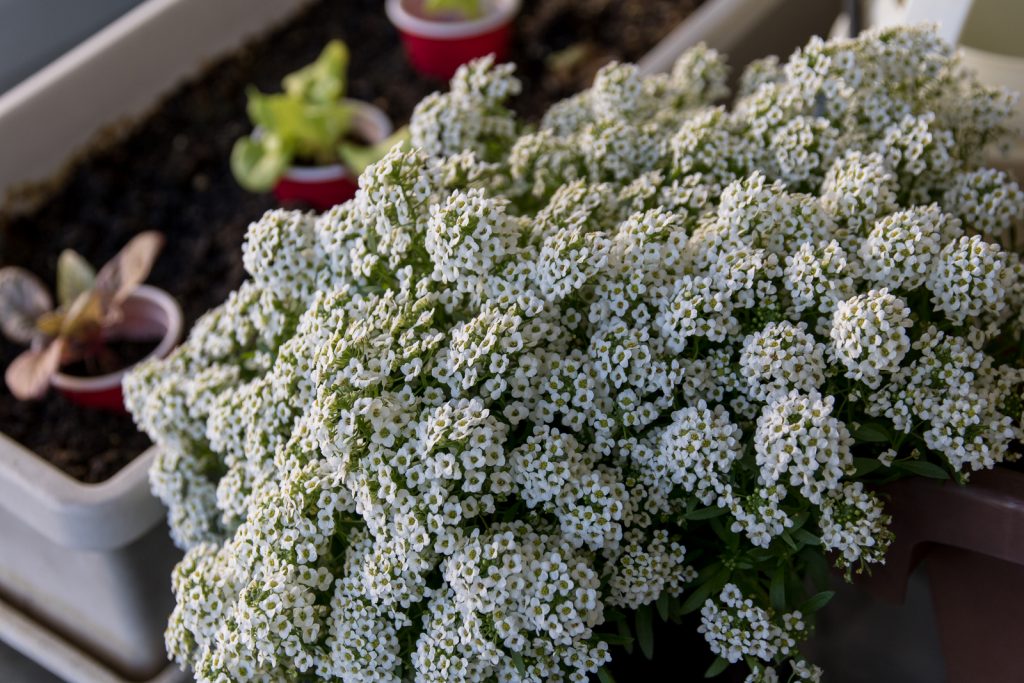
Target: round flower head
{"type": "Point", "coordinates": [799, 443]}
{"type": "Point", "coordinates": [971, 278]}
{"type": "Point", "coordinates": [869, 335]}
{"type": "Point", "coordinates": [781, 357]}
{"type": "Point", "coordinates": [986, 200]}
{"type": "Point", "coordinates": [900, 249]}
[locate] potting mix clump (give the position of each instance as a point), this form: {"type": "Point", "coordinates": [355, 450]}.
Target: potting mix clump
{"type": "Point", "coordinates": [535, 389]}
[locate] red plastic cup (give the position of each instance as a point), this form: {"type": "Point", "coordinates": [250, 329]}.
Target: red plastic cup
{"type": "Point", "coordinates": [321, 187]}
{"type": "Point", "coordinates": [148, 313]}
{"type": "Point", "coordinates": [436, 48]}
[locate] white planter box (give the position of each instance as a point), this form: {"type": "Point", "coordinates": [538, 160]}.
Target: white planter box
{"type": "Point", "coordinates": [745, 30]}
{"type": "Point", "coordinates": [90, 561]}
{"type": "Point", "coordinates": [85, 568]}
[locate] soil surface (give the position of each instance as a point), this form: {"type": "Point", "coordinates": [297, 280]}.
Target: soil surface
{"type": "Point", "coordinates": [109, 357]}
{"type": "Point", "coordinates": [171, 173]}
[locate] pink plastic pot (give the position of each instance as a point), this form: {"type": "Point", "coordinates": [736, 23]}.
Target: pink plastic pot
{"type": "Point", "coordinates": [971, 541]}
{"type": "Point", "coordinates": [149, 313]}
{"type": "Point", "coordinates": [437, 48]}
{"type": "Point", "coordinates": [321, 187]}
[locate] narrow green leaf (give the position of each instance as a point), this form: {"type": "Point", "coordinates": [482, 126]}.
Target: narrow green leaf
{"type": "Point", "coordinates": [816, 602]}
{"type": "Point", "coordinates": [662, 604]}
{"type": "Point", "coordinates": [706, 513]}
{"type": "Point", "coordinates": [806, 537]}
{"type": "Point", "coordinates": [615, 638]}
{"type": "Point", "coordinates": [704, 590]}
{"type": "Point", "coordinates": [605, 676]}
{"type": "Point", "coordinates": [922, 468]}
{"type": "Point", "coordinates": [517, 659]}
{"type": "Point", "coordinates": [817, 567]}
{"type": "Point", "coordinates": [865, 466]}
{"type": "Point", "coordinates": [717, 667]}
{"type": "Point", "coordinates": [645, 631]}
{"type": "Point", "coordinates": [872, 432]}
{"type": "Point", "coordinates": [777, 592]}
{"type": "Point", "coordinates": [359, 157]}
{"type": "Point", "coordinates": [625, 633]}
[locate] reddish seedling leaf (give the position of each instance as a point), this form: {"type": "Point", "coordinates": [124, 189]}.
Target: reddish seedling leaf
{"type": "Point", "coordinates": [129, 268]}
{"type": "Point", "coordinates": [28, 376]}
{"type": "Point", "coordinates": [23, 299]}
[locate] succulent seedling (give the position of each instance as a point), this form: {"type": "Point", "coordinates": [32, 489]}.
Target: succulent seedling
{"type": "Point", "coordinates": [88, 304]}
{"type": "Point", "coordinates": [310, 121]}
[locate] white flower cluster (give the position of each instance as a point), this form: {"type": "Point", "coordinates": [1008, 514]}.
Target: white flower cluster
{"type": "Point", "coordinates": [528, 380]}
{"type": "Point", "coordinates": [736, 628]}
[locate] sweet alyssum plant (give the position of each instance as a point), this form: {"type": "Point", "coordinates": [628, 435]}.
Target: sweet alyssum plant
{"type": "Point", "coordinates": [531, 388]}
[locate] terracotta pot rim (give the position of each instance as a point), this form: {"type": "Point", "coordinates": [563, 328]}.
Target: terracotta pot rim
{"type": "Point", "coordinates": [154, 297]}
{"type": "Point", "coordinates": [501, 12]}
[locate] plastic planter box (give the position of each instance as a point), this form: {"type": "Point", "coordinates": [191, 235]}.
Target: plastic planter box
{"type": "Point", "coordinates": [971, 541]}
{"type": "Point", "coordinates": [85, 569]}
{"type": "Point", "coordinates": [89, 562]}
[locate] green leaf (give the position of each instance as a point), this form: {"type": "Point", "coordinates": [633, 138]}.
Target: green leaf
{"type": "Point", "coordinates": [359, 157]}
{"type": "Point", "coordinates": [706, 513]}
{"type": "Point", "coordinates": [258, 163]}
{"type": "Point", "coordinates": [467, 9]}
{"type": "Point", "coordinates": [625, 633]}
{"type": "Point", "coordinates": [615, 638]}
{"type": "Point", "coordinates": [663, 605]}
{"type": "Point", "coordinates": [517, 659]}
{"type": "Point", "coordinates": [817, 567]}
{"type": "Point", "coordinates": [865, 466]}
{"type": "Point", "coordinates": [872, 432]}
{"type": "Point", "coordinates": [605, 676]}
{"type": "Point", "coordinates": [777, 592]}
{"type": "Point", "coordinates": [311, 130]}
{"type": "Point", "coordinates": [730, 539]}
{"type": "Point", "coordinates": [806, 537]}
{"type": "Point", "coordinates": [717, 667]}
{"type": "Point", "coordinates": [816, 602]}
{"type": "Point", "coordinates": [323, 81]}
{"type": "Point", "coordinates": [922, 468]}
{"type": "Point", "coordinates": [74, 276]}
{"type": "Point", "coordinates": [704, 590]}
{"type": "Point", "coordinates": [645, 631]}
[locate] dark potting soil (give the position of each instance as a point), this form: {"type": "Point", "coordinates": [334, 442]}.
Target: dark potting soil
{"type": "Point", "coordinates": [171, 173]}
{"type": "Point", "coordinates": [112, 356]}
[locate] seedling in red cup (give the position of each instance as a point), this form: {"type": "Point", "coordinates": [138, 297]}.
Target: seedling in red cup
{"type": "Point", "coordinates": [307, 139]}
{"type": "Point", "coordinates": [101, 321]}
{"type": "Point", "coordinates": [441, 35]}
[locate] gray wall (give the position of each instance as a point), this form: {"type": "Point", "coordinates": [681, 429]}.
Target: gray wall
{"type": "Point", "coordinates": [34, 32]}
